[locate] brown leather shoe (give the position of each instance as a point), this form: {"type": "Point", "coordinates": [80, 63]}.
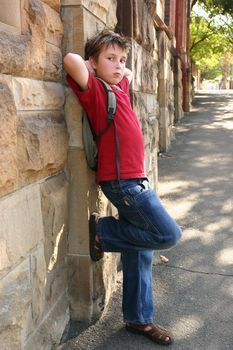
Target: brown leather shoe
{"type": "Point", "coordinates": [95, 248]}
{"type": "Point", "coordinates": [154, 332]}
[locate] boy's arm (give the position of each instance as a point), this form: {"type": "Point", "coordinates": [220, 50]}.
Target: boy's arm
{"type": "Point", "coordinates": [78, 69]}
{"type": "Point", "coordinates": [128, 74]}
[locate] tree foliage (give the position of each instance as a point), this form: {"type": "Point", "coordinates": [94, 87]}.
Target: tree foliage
{"type": "Point", "coordinates": [224, 7]}
{"type": "Point", "coordinates": [211, 41]}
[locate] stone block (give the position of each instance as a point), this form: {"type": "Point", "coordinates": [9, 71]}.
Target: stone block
{"type": "Point", "coordinates": [149, 73]}
{"type": "Point", "coordinates": [8, 137]}
{"type": "Point", "coordinates": [164, 70]}
{"type": "Point", "coordinates": [39, 281]}
{"type": "Point", "coordinates": [10, 13]}
{"type": "Point", "coordinates": [37, 95]}
{"type": "Point", "coordinates": [73, 114]}
{"type": "Point", "coordinates": [143, 25]}
{"type": "Point", "coordinates": [164, 120]}
{"type": "Point", "coordinates": [15, 298]}
{"type": "Point", "coordinates": [145, 68]}
{"type": "Point", "coordinates": [87, 290]}
{"type": "Point", "coordinates": [146, 107]}
{"type": "Point", "coordinates": [83, 199]}
{"type": "Point", "coordinates": [137, 66]}
{"type": "Point", "coordinates": [24, 55]}
{"type": "Point", "coordinates": [105, 10]}
{"type": "Point", "coordinates": [42, 145]}
{"type": "Point", "coordinates": [84, 25]}
{"type": "Point", "coordinates": [53, 65]}
{"type": "Point", "coordinates": [48, 334]}
{"type": "Point", "coordinates": [21, 225]}
{"type": "Point", "coordinates": [160, 8]}
{"type": "Point", "coordinates": [72, 19]}
{"type": "Point", "coordinates": [54, 212]}
{"type": "Point", "coordinates": [92, 25]}
{"type": "Point", "coordinates": [163, 95]}
{"type": "Point", "coordinates": [54, 4]}
{"type": "Point", "coordinates": [80, 269]}
{"type": "Point", "coordinates": [54, 30]}
{"type": "Point", "coordinates": [47, 287]}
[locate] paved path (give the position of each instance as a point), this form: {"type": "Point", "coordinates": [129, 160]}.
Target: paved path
{"type": "Point", "coordinates": [194, 290]}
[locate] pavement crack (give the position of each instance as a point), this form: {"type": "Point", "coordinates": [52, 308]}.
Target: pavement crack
{"type": "Point", "coordinates": [194, 271]}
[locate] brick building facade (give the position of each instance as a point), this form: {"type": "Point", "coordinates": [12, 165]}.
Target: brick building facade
{"type": "Point", "coordinates": [47, 191]}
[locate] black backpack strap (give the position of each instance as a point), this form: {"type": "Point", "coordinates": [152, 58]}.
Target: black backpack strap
{"type": "Point", "coordinates": [111, 110]}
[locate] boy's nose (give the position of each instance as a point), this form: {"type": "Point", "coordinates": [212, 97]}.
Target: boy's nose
{"type": "Point", "coordinates": [118, 64]}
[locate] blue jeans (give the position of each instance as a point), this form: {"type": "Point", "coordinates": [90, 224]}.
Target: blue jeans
{"type": "Point", "coordinates": [143, 226]}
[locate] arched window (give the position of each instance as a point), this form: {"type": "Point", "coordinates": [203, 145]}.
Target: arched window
{"type": "Point", "coordinates": [10, 18]}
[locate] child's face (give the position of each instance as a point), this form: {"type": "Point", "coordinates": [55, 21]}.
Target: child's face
{"type": "Point", "coordinates": [110, 65]}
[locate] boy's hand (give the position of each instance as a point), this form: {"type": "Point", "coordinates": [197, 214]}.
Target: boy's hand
{"type": "Point", "coordinates": [128, 74]}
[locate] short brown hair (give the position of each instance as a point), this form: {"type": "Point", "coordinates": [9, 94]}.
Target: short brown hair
{"type": "Point", "coordinates": [103, 39]}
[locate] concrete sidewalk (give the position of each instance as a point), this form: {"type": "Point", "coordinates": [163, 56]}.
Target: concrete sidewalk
{"type": "Point", "coordinates": [194, 290]}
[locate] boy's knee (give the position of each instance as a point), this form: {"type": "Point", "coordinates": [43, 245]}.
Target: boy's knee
{"type": "Point", "coordinates": [174, 237]}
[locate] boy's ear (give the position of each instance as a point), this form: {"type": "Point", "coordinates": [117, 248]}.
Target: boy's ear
{"type": "Point", "coordinates": [92, 62]}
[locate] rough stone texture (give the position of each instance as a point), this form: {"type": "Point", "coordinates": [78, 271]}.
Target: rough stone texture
{"type": "Point", "coordinates": [54, 30]}
{"type": "Point", "coordinates": [144, 32]}
{"type": "Point", "coordinates": [47, 335]}
{"type": "Point", "coordinates": [53, 65]}
{"type": "Point", "coordinates": [8, 137]}
{"type": "Point", "coordinates": [84, 26]}
{"type": "Point", "coordinates": [55, 219]}
{"type": "Point", "coordinates": [104, 10]}
{"type": "Point", "coordinates": [145, 68]}
{"type": "Point", "coordinates": [73, 115]}
{"type": "Point", "coordinates": [165, 92]}
{"type": "Point", "coordinates": [20, 215]}
{"type": "Point", "coordinates": [37, 95]}
{"type": "Point", "coordinates": [10, 13]}
{"type": "Point", "coordinates": [33, 143]}
{"type": "Point", "coordinates": [27, 54]}
{"type": "Point", "coordinates": [178, 90]}
{"type": "Point", "coordinates": [54, 4]}
{"type": "Point", "coordinates": [147, 109]}
{"type": "Point", "coordinates": [48, 286]}
{"type": "Point", "coordinates": [15, 300]}
{"type": "Point", "coordinates": [42, 145]}
{"type": "Point", "coordinates": [90, 285]}
{"type": "Point", "coordinates": [83, 199]}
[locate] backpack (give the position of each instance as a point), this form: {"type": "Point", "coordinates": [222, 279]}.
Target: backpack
{"type": "Point", "coordinates": [90, 139]}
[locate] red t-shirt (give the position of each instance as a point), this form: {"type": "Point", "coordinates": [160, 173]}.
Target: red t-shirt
{"type": "Point", "coordinates": [94, 102]}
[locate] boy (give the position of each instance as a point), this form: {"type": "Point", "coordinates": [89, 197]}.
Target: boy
{"type": "Point", "coordinates": [143, 224]}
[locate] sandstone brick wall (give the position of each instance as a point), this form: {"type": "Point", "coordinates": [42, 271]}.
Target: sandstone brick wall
{"type": "Point", "coordinates": [90, 283]}
{"type": "Point", "coordinates": [46, 189]}
{"type": "Point", "coordinates": [33, 188]}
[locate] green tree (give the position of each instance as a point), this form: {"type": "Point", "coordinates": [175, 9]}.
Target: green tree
{"type": "Point", "coordinates": [224, 7]}
{"type": "Point", "coordinates": [211, 44]}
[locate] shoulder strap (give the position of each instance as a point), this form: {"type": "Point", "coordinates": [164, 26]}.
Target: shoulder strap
{"type": "Point", "coordinates": [111, 99]}
{"type": "Point", "coordinates": [111, 107]}
{"type": "Point", "coordinates": [111, 110]}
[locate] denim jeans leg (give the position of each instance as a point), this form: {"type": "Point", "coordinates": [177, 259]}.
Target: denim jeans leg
{"type": "Point", "coordinates": [143, 221]}
{"type": "Point", "coordinates": [137, 302]}
{"type": "Point", "coordinates": [143, 226]}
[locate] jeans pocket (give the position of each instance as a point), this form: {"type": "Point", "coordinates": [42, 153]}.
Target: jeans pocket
{"type": "Point", "coordinates": [136, 189]}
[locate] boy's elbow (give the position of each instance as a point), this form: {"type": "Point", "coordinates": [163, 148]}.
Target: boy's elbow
{"type": "Point", "coordinates": [67, 59]}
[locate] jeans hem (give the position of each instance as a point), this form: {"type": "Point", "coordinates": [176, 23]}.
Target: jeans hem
{"type": "Point", "coordinates": [139, 321]}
